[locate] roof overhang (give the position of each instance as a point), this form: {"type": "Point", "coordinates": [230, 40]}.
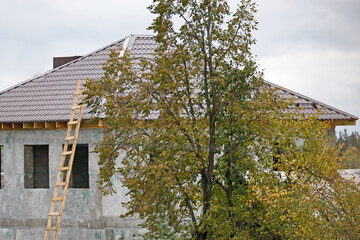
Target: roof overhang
{"type": "Point", "coordinates": [86, 124]}
{"type": "Point", "coordinates": [344, 122]}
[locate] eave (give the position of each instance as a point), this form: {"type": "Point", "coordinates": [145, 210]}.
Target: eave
{"type": "Point", "coordinates": [344, 122]}
{"type": "Point", "coordinates": [86, 124]}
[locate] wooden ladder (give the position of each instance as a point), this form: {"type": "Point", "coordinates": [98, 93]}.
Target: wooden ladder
{"type": "Point", "coordinates": [61, 186]}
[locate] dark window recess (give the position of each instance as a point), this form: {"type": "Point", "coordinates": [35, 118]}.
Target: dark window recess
{"type": "Point", "coordinates": [80, 171]}
{"type": "Point", "coordinates": [1, 167]}
{"type": "Point", "coordinates": [36, 166]}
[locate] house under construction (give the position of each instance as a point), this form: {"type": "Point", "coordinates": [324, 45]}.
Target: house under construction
{"type": "Point", "coordinates": [34, 118]}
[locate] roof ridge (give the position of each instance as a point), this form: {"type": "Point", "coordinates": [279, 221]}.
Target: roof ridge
{"type": "Point", "coordinates": [64, 65]}
{"type": "Point", "coordinates": [310, 99]}
{"type": "Point", "coordinates": [142, 35]}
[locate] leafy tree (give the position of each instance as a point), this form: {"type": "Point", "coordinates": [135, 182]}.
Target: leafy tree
{"type": "Point", "coordinates": [351, 157]}
{"type": "Point", "coordinates": [199, 131]}
{"type": "Point", "coordinates": [350, 149]}
{"type": "Point", "coordinates": [346, 139]}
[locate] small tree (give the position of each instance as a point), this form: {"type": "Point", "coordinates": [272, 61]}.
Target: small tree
{"type": "Point", "coordinates": [200, 132]}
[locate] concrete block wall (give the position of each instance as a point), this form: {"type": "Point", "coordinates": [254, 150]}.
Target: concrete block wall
{"type": "Point", "coordinates": [87, 214]}
{"type": "Point", "coordinates": [1, 168]}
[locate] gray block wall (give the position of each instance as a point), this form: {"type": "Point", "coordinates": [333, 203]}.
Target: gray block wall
{"type": "Point", "coordinates": [87, 214]}
{"type": "Point", "coordinates": [1, 168]}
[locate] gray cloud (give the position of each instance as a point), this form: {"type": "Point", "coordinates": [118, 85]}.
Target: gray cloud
{"type": "Point", "coordinates": [289, 24]}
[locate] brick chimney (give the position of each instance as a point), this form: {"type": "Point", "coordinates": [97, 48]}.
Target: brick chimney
{"type": "Point", "coordinates": [59, 61]}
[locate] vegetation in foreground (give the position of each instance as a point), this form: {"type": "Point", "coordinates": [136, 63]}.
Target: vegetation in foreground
{"type": "Point", "coordinates": [211, 152]}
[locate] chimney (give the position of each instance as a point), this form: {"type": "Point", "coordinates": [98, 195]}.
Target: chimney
{"type": "Point", "coordinates": [59, 61]}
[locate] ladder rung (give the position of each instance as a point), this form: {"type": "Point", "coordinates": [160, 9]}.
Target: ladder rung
{"type": "Point", "coordinates": [78, 92]}
{"type": "Point", "coordinates": [54, 214]}
{"type": "Point", "coordinates": [60, 184]}
{"type": "Point", "coordinates": [57, 199]}
{"type": "Point", "coordinates": [63, 168]}
{"type": "Point", "coordinates": [73, 122]}
{"type": "Point", "coordinates": [70, 138]}
{"type": "Point", "coordinates": [75, 107]}
{"type": "Point", "coordinates": [67, 153]}
{"type": "Point", "coordinates": [51, 228]}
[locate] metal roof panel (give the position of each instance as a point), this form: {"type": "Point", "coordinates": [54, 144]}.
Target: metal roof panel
{"type": "Point", "coordinates": [49, 96]}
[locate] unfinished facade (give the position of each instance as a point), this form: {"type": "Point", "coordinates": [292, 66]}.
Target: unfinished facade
{"type": "Point", "coordinates": [33, 123]}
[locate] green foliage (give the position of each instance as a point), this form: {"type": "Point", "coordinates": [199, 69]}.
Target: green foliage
{"type": "Point", "coordinates": [350, 149]}
{"type": "Point", "coordinates": [351, 157]}
{"type": "Point", "coordinates": [162, 229]}
{"type": "Point", "coordinates": [346, 139]}
{"type": "Point", "coordinates": [198, 129]}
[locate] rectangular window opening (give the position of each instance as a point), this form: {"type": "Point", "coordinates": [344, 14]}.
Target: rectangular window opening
{"type": "Point", "coordinates": [2, 167]}
{"type": "Point", "coordinates": [36, 166]}
{"type": "Point", "coordinates": [79, 177]}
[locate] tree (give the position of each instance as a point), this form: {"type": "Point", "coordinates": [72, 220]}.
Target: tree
{"type": "Point", "coordinates": [351, 157]}
{"type": "Point", "coordinates": [350, 149]}
{"type": "Point", "coordinates": [200, 130]}
{"type": "Point", "coordinates": [346, 139]}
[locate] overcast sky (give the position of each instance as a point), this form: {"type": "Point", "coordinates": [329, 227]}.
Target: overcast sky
{"type": "Point", "coordinates": [309, 46]}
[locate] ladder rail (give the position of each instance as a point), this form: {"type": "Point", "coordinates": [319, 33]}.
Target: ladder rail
{"type": "Point", "coordinates": [70, 164]}
{"type": "Point", "coordinates": [59, 182]}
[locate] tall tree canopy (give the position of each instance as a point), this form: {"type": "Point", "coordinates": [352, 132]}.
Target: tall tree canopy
{"type": "Point", "coordinates": [210, 151]}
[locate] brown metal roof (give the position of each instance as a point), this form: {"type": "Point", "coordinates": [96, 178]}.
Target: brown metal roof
{"type": "Point", "coordinates": [48, 97]}
{"type": "Point", "coordinates": [306, 106]}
